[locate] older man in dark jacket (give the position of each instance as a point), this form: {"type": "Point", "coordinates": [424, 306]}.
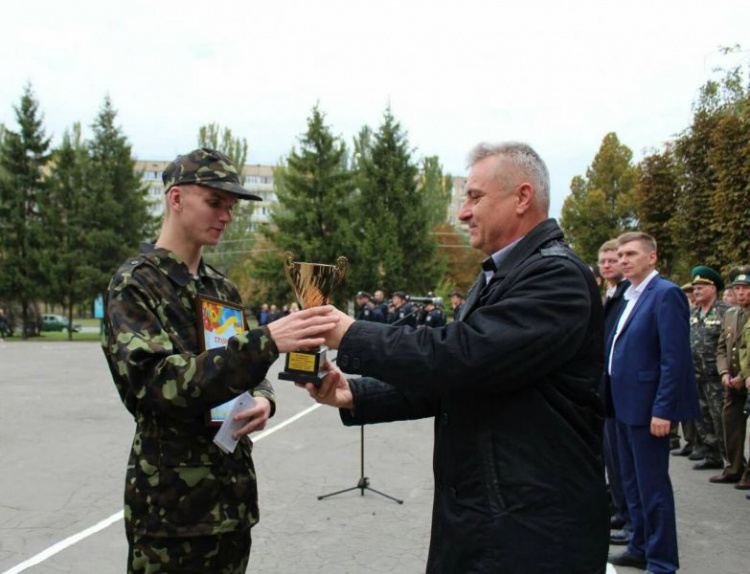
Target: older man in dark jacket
{"type": "Point", "coordinates": [519, 480]}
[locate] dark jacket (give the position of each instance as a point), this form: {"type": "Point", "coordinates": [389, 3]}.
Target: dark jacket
{"type": "Point", "coordinates": [613, 307]}
{"type": "Point", "coordinates": [519, 478]}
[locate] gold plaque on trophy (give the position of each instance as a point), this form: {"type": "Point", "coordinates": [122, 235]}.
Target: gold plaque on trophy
{"type": "Point", "coordinates": [313, 284]}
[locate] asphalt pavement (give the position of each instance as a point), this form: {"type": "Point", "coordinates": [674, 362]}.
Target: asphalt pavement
{"type": "Point", "coordinates": [65, 439]}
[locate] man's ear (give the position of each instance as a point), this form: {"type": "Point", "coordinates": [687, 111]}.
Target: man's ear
{"type": "Point", "coordinates": [175, 198]}
{"type": "Point", "coordinates": [524, 198]}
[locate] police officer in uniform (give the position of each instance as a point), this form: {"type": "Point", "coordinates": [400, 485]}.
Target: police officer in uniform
{"type": "Point", "coordinates": [457, 301]}
{"type": "Point", "coordinates": [705, 329]}
{"type": "Point", "coordinates": [189, 506]}
{"type": "Point", "coordinates": [403, 313]}
{"type": "Point", "coordinates": [433, 316]}
{"type": "Point", "coordinates": [735, 393]}
{"type": "Point", "coordinates": [366, 311]}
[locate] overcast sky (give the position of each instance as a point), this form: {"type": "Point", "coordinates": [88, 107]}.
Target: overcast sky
{"type": "Point", "coordinates": [556, 74]}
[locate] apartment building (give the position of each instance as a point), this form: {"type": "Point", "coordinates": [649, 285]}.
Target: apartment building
{"type": "Point", "coordinates": [259, 180]}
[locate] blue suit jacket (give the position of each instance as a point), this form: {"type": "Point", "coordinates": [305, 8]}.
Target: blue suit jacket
{"type": "Point", "coordinates": [652, 366]}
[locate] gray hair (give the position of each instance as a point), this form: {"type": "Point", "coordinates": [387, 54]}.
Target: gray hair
{"type": "Point", "coordinates": [523, 157]}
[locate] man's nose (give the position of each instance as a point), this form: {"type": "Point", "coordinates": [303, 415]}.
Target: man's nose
{"type": "Point", "coordinates": [464, 211]}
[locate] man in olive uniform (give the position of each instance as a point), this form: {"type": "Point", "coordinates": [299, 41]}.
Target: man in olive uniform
{"type": "Point", "coordinates": [744, 352]}
{"type": "Point", "coordinates": [705, 328]}
{"type": "Point", "coordinates": [189, 506]}
{"type": "Point", "coordinates": [735, 393]}
{"type": "Point", "coordinates": [403, 313]}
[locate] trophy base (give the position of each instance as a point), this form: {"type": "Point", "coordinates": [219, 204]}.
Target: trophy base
{"type": "Point", "coordinates": [305, 366]}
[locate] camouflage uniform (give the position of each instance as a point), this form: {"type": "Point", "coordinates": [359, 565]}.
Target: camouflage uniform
{"type": "Point", "coordinates": [705, 330]}
{"type": "Point", "coordinates": [181, 491]}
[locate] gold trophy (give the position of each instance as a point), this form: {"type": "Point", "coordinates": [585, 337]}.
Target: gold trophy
{"type": "Point", "coordinates": [313, 284]}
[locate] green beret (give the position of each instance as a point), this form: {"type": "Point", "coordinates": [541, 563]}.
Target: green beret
{"type": "Point", "coordinates": [740, 275]}
{"type": "Point", "coordinates": [703, 275]}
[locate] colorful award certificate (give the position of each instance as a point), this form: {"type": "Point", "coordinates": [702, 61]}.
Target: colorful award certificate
{"type": "Point", "coordinates": [218, 321]}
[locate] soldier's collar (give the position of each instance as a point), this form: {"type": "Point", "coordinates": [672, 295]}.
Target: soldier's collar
{"type": "Point", "coordinates": [169, 263]}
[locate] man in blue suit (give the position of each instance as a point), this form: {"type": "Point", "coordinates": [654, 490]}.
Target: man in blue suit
{"type": "Point", "coordinates": [652, 383]}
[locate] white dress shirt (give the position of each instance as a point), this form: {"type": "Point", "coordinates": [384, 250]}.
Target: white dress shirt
{"type": "Point", "coordinates": [631, 295]}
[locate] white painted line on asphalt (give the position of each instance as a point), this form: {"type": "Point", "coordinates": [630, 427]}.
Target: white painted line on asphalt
{"type": "Point", "coordinates": [62, 545]}
{"type": "Point", "coordinates": [75, 538]}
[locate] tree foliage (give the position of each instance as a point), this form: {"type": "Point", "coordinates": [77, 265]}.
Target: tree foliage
{"type": "Point", "coordinates": [656, 195]}
{"type": "Point", "coordinates": [313, 217]}
{"type": "Point", "coordinates": [397, 250]}
{"type": "Point", "coordinates": [601, 204]}
{"type": "Point", "coordinates": [66, 208]}
{"type": "Point", "coordinates": [238, 238]}
{"type": "Point", "coordinates": [436, 188]}
{"type": "Point", "coordinates": [23, 155]}
{"type": "Point", "coordinates": [118, 212]}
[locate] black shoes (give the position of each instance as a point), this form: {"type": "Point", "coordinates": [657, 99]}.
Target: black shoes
{"type": "Point", "coordinates": [619, 538]}
{"type": "Point", "coordinates": [708, 464]}
{"type": "Point", "coordinates": [627, 558]}
{"type": "Point", "coordinates": [615, 523]}
{"type": "Point", "coordinates": [684, 451]}
{"type": "Point", "coordinates": [696, 455]}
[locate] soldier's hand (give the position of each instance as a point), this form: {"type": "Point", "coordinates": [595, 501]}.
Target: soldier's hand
{"type": "Point", "coordinates": [256, 417]}
{"type": "Point", "coordinates": [747, 383]}
{"type": "Point", "coordinates": [725, 379]}
{"type": "Point", "coordinates": [303, 329]}
{"type": "Point", "coordinates": [660, 427]}
{"type": "Point", "coordinates": [334, 390]}
{"type": "Point", "coordinates": [738, 383]}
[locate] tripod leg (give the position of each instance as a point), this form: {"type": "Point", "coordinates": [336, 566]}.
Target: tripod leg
{"type": "Point", "coordinates": [393, 498]}
{"type": "Point", "coordinates": [338, 492]}
{"type": "Point", "coordinates": [363, 483]}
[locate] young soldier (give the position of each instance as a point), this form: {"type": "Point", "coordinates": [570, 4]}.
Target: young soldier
{"type": "Point", "coordinates": [189, 506]}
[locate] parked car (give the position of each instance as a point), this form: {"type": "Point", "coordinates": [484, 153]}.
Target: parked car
{"type": "Point", "coordinates": [51, 322]}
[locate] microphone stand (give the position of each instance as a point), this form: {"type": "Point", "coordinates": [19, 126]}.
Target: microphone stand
{"type": "Point", "coordinates": [364, 482]}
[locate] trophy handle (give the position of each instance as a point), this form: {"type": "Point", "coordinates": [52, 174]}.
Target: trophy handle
{"type": "Point", "coordinates": [288, 266]}
{"type": "Point", "coordinates": [341, 264]}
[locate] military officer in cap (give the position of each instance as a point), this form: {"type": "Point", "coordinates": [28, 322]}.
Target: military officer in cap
{"type": "Point", "coordinates": [705, 329]}
{"type": "Point", "coordinates": [403, 312]}
{"type": "Point", "coordinates": [734, 418]}
{"type": "Point", "coordinates": [366, 310]}
{"type": "Point", "coordinates": [189, 506]}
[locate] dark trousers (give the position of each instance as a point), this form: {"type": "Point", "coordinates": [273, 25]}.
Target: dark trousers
{"type": "Point", "coordinates": [225, 553]}
{"type": "Point", "coordinates": [644, 462]}
{"type": "Point", "coordinates": [614, 474]}
{"type": "Point", "coordinates": [735, 425]}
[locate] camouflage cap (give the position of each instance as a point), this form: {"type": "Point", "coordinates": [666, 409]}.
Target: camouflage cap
{"type": "Point", "coordinates": [207, 167]}
{"type": "Point", "coordinates": [703, 275]}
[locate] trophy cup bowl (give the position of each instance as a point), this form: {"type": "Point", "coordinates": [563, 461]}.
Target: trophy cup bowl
{"type": "Point", "coordinates": [313, 284]}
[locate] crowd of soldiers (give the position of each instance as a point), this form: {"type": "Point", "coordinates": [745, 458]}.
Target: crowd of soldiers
{"type": "Point", "coordinates": [720, 342]}
{"type": "Point", "coordinates": [402, 309]}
